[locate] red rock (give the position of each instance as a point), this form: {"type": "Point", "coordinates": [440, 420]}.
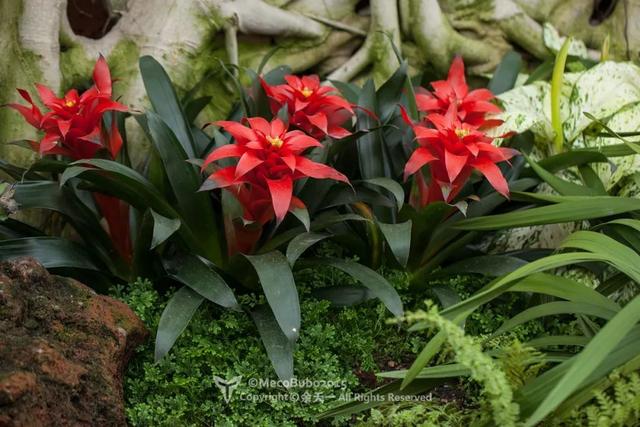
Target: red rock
{"type": "Point", "coordinates": [63, 350]}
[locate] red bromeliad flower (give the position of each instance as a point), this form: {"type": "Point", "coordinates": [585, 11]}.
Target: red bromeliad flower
{"type": "Point", "coordinates": [269, 161]}
{"type": "Point", "coordinates": [452, 141]}
{"type": "Point", "coordinates": [471, 105]}
{"type": "Point", "coordinates": [453, 149]}
{"type": "Point", "coordinates": [312, 107]}
{"type": "Point", "coordinates": [73, 128]}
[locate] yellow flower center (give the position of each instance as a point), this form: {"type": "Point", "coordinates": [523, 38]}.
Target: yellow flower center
{"type": "Point", "coordinates": [306, 92]}
{"type": "Point", "coordinates": [275, 141]}
{"type": "Point", "coordinates": [70, 103]}
{"type": "Point", "coordinates": [462, 132]}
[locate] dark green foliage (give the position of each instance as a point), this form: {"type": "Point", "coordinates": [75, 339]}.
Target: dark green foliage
{"type": "Point", "coordinates": [340, 344]}
{"type": "Point", "coordinates": [336, 344]}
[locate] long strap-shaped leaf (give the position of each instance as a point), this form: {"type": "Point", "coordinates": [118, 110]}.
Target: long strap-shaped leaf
{"type": "Point", "coordinates": [194, 272]}
{"type": "Point", "coordinates": [566, 188]}
{"type": "Point", "coordinates": [49, 195]}
{"type": "Point", "coordinates": [52, 252]}
{"type": "Point", "coordinates": [279, 287]}
{"type": "Point", "coordinates": [610, 335]}
{"type": "Point", "coordinates": [165, 101]}
{"type": "Point", "coordinates": [195, 207]}
{"type": "Point", "coordinates": [398, 237]}
{"type": "Point", "coordinates": [123, 182]}
{"type": "Point", "coordinates": [553, 308]}
{"type": "Point", "coordinates": [175, 318]}
{"type": "Point", "coordinates": [279, 347]}
{"type": "Point", "coordinates": [576, 209]}
{"type": "Point", "coordinates": [522, 277]}
{"type": "Point", "coordinates": [377, 284]}
{"type": "Point", "coordinates": [538, 390]}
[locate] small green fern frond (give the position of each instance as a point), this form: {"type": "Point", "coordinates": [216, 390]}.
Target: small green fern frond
{"type": "Point", "coordinates": [484, 370]}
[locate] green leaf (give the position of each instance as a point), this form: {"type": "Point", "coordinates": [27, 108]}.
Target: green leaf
{"type": "Point", "coordinates": [521, 280]}
{"type": "Point", "coordinates": [622, 257]}
{"type": "Point", "coordinates": [14, 229]}
{"type": "Point", "coordinates": [588, 360]}
{"type": "Point", "coordinates": [537, 389]}
{"type": "Point", "coordinates": [553, 308]}
{"type": "Point", "coordinates": [445, 294]}
{"type": "Point", "coordinates": [631, 144]}
{"type": "Point", "coordinates": [398, 237]}
{"type": "Point", "coordinates": [615, 150]}
{"type": "Point", "coordinates": [18, 173]}
{"type": "Point", "coordinates": [442, 236]}
{"type": "Point", "coordinates": [349, 90]}
{"type": "Point", "coordinates": [541, 72]}
{"type": "Point", "coordinates": [488, 265]}
{"type": "Point", "coordinates": [175, 318]}
{"type": "Point", "coordinates": [195, 272]}
{"type": "Point", "coordinates": [556, 89]}
{"type": "Point", "coordinates": [425, 356]}
{"type": "Point", "coordinates": [52, 252]}
{"type": "Point", "coordinates": [555, 340]}
{"type": "Point", "coordinates": [370, 150]}
{"type": "Point", "coordinates": [424, 222]}
{"type": "Point", "coordinates": [572, 158]}
{"type": "Point", "coordinates": [163, 228]}
{"type": "Point", "coordinates": [279, 347]}
{"type": "Point", "coordinates": [505, 76]}
{"type": "Point", "coordinates": [439, 371]}
{"type": "Point", "coordinates": [500, 285]}
{"type": "Point", "coordinates": [266, 57]}
{"type": "Point", "coordinates": [392, 186]}
{"type": "Point", "coordinates": [565, 288]}
{"type": "Point", "coordinates": [301, 243]}
{"type": "Point", "coordinates": [592, 180]}
{"type": "Point", "coordinates": [563, 187]}
{"type": "Point", "coordinates": [303, 216]}
{"type": "Point", "coordinates": [49, 195]}
{"type": "Point", "coordinates": [127, 184]}
{"type": "Point", "coordinates": [343, 296]}
{"type": "Point", "coordinates": [378, 285]}
{"type": "Point", "coordinates": [194, 107]}
{"type": "Point", "coordinates": [195, 207]}
{"type": "Point", "coordinates": [165, 102]}
{"type": "Point", "coordinates": [576, 209]}
{"type": "Point", "coordinates": [120, 181]}
{"type": "Point", "coordinates": [320, 223]}
{"type": "Point", "coordinates": [279, 287]}
{"type": "Point", "coordinates": [389, 94]}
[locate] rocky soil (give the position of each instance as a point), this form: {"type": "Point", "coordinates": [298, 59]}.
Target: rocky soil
{"type": "Point", "coordinates": [63, 350]}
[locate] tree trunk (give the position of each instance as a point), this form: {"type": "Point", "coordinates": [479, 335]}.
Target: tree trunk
{"type": "Point", "coordinates": [53, 41]}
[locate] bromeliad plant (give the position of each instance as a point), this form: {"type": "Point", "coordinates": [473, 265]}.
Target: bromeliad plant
{"type": "Point", "coordinates": [73, 127]}
{"type": "Point", "coordinates": [453, 139]}
{"type": "Point", "coordinates": [438, 147]}
{"type": "Point", "coordinates": [212, 245]}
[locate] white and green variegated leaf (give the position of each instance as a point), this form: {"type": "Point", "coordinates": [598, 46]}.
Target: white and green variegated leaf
{"type": "Point", "coordinates": [553, 41]}
{"type": "Point", "coordinates": [527, 108]}
{"type": "Point", "coordinates": [625, 120]}
{"type": "Point", "coordinates": [603, 91]}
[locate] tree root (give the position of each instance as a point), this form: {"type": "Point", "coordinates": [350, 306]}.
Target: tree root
{"type": "Point", "coordinates": [376, 49]}
{"type": "Point", "coordinates": [326, 34]}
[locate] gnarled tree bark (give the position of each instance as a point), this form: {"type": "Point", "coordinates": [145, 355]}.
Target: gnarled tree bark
{"type": "Point", "coordinates": [343, 39]}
